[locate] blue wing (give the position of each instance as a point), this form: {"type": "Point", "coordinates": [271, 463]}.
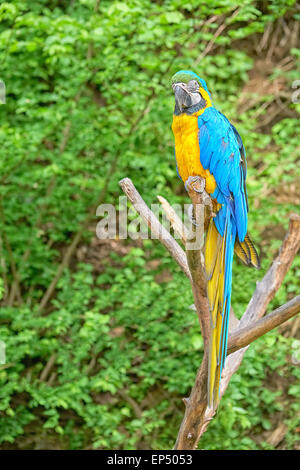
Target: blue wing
{"type": "Point", "coordinates": [222, 152]}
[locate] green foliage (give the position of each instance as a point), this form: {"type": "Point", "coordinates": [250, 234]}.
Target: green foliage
{"type": "Point", "coordinates": [89, 101]}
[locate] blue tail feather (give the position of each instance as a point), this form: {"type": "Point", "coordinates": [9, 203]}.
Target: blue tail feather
{"type": "Point", "coordinates": [229, 234]}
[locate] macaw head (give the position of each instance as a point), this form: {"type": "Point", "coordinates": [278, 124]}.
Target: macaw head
{"type": "Point", "coordinates": [191, 92]}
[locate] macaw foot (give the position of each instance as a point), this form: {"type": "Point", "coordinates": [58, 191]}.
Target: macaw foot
{"type": "Point", "coordinates": [195, 183]}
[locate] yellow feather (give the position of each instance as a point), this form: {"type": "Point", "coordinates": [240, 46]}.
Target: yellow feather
{"type": "Point", "coordinates": [246, 252]}
{"type": "Point", "coordinates": [240, 252]}
{"type": "Point", "coordinates": [213, 365]}
{"type": "Point", "coordinates": [214, 260]}
{"type": "Point", "coordinates": [187, 149]}
{"type": "Point", "coordinates": [212, 248]}
{"type": "Point", "coordinates": [213, 265]}
{"type": "Point", "coordinates": [253, 253]}
{"type": "Point", "coordinates": [215, 290]}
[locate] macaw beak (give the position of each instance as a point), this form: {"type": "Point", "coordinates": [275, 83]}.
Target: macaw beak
{"type": "Point", "coordinates": [182, 96]}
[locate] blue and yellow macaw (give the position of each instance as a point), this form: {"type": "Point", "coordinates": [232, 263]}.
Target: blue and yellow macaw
{"type": "Point", "coordinates": [209, 146]}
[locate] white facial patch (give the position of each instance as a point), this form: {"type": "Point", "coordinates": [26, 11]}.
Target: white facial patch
{"type": "Point", "coordinates": [195, 97]}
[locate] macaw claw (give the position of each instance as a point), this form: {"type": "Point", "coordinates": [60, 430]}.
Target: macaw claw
{"type": "Point", "coordinates": [195, 183]}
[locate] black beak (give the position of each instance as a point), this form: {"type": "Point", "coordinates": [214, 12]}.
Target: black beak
{"type": "Point", "coordinates": [182, 98]}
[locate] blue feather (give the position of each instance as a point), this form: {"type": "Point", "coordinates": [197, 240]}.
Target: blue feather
{"type": "Point", "coordinates": [230, 234]}
{"type": "Point", "coordinates": [223, 154]}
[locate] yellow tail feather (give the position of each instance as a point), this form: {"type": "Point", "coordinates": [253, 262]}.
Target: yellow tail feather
{"type": "Point", "coordinates": [215, 248]}
{"type": "Point", "coordinates": [246, 252]}
{"type": "Point", "coordinates": [214, 263]}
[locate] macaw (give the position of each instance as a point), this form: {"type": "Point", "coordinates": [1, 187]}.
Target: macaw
{"type": "Point", "coordinates": [209, 146]}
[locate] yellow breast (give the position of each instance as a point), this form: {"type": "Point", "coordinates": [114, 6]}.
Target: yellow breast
{"type": "Point", "coordinates": [187, 149]}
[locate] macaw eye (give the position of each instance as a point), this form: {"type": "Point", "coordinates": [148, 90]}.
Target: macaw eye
{"type": "Point", "coordinates": [193, 85]}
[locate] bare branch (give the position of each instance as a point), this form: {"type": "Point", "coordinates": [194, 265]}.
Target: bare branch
{"type": "Point", "coordinates": [195, 411]}
{"type": "Point", "coordinates": [153, 223]}
{"type": "Point", "coordinates": [48, 367]}
{"type": "Point", "coordinates": [200, 201]}
{"type": "Point", "coordinates": [215, 36]}
{"type": "Point", "coordinates": [176, 222]}
{"type": "Point", "coordinates": [244, 336]}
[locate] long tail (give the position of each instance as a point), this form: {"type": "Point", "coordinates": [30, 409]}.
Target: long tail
{"type": "Point", "coordinates": [218, 262]}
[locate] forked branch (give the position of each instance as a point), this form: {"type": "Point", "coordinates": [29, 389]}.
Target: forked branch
{"type": "Point", "coordinates": [251, 326]}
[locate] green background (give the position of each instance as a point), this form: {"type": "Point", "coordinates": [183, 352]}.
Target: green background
{"type": "Point", "coordinates": [100, 343]}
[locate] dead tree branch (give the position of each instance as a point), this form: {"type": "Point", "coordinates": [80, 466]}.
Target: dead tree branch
{"type": "Point", "coordinates": [176, 223]}
{"type": "Point", "coordinates": [244, 336]}
{"type": "Point", "coordinates": [201, 205]}
{"type": "Point", "coordinates": [250, 327]}
{"type": "Point", "coordinates": [158, 231]}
